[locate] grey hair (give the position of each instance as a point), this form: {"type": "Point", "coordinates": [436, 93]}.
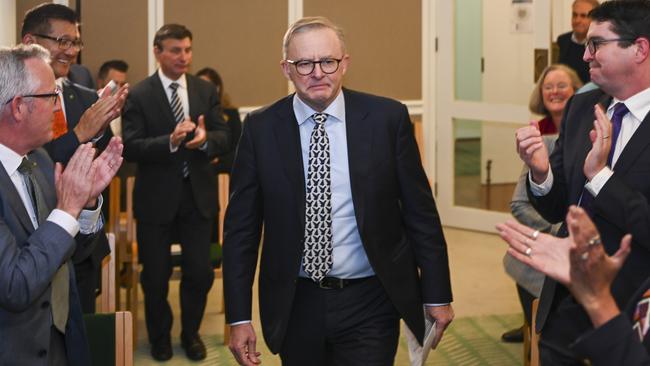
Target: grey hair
{"type": "Point", "coordinates": [15, 80]}
{"type": "Point", "coordinates": [307, 24]}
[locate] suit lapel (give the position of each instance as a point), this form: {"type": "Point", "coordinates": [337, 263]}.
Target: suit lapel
{"type": "Point", "coordinates": [287, 136]}
{"type": "Point", "coordinates": [359, 139]}
{"type": "Point", "coordinates": [10, 195]}
{"type": "Point", "coordinates": [160, 98]}
{"type": "Point", "coordinates": [73, 111]}
{"type": "Point", "coordinates": [192, 97]}
{"type": "Point", "coordinates": [639, 141]}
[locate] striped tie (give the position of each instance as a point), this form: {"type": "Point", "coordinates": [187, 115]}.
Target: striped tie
{"type": "Point", "coordinates": [179, 116]}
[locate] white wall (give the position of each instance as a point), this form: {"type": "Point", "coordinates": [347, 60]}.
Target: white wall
{"type": "Point", "coordinates": [8, 21]}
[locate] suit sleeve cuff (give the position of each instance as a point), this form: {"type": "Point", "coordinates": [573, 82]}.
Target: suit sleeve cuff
{"type": "Point", "coordinates": [542, 189]}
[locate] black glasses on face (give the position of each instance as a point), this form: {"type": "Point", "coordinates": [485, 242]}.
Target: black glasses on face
{"type": "Point", "coordinates": [306, 67]}
{"type": "Point", "coordinates": [64, 43]}
{"type": "Point", "coordinates": [593, 43]}
{"type": "Point", "coordinates": [54, 96]}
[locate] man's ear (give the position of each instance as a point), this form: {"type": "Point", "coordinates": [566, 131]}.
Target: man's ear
{"type": "Point", "coordinates": [642, 49]}
{"type": "Point", "coordinates": [285, 69]}
{"type": "Point", "coordinates": [18, 108]}
{"type": "Point", "coordinates": [28, 39]}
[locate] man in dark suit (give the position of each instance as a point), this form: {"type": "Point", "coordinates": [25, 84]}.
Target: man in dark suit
{"type": "Point", "coordinates": [172, 129]}
{"type": "Point", "coordinates": [43, 216]}
{"type": "Point", "coordinates": [82, 118]}
{"type": "Point", "coordinates": [352, 237]}
{"type": "Point", "coordinates": [598, 164]}
{"type": "Point", "coordinates": [572, 44]}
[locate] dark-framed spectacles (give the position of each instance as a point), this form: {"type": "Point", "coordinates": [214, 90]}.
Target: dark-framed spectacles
{"type": "Point", "coordinates": [64, 43]}
{"type": "Point", "coordinates": [593, 43]}
{"type": "Point", "coordinates": [54, 96]}
{"type": "Point", "coordinates": [306, 67]}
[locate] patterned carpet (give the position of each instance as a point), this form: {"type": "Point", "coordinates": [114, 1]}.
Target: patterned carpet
{"type": "Point", "coordinates": [469, 341]}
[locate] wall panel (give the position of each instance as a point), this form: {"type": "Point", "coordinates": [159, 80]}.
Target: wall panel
{"type": "Point", "coordinates": [384, 40]}
{"type": "Point", "coordinates": [115, 29]}
{"type": "Point", "coordinates": [242, 40]}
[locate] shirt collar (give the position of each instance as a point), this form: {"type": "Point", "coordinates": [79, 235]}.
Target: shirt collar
{"type": "Point", "coordinates": [638, 104]}
{"type": "Point", "coordinates": [575, 40]}
{"type": "Point", "coordinates": [336, 109]}
{"type": "Point", "coordinates": [9, 159]}
{"type": "Point", "coordinates": [166, 82]}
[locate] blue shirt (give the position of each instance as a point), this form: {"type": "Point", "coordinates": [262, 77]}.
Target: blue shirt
{"type": "Point", "coordinates": [348, 255]}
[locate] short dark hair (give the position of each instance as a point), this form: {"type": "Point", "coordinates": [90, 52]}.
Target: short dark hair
{"type": "Point", "coordinates": [118, 65]}
{"type": "Point", "coordinates": [214, 78]}
{"type": "Point", "coordinates": [174, 31]}
{"type": "Point", "coordinates": [629, 18]}
{"type": "Point", "coordinates": [37, 19]}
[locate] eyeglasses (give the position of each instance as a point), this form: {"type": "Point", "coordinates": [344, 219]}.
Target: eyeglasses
{"type": "Point", "coordinates": [54, 95]}
{"type": "Point", "coordinates": [551, 87]}
{"type": "Point", "coordinates": [306, 67]}
{"type": "Point", "coordinates": [593, 43]}
{"type": "Point", "coordinates": [64, 43]}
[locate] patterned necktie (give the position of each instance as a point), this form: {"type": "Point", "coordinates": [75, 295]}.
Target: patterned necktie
{"type": "Point", "coordinates": [179, 116]}
{"type": "Point", "coordinates": [317, 253]}
{"type": "Point", "coordinates": [60, 282]}
{"type": "Point", "coordinates": [620, 110]}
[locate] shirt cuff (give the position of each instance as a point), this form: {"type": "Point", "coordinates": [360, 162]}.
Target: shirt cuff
{"type": "Point", "coordinates": [543, 188]}
{"type": "Point", "coordinates": [436, 305]}
{"type": "Point", "coordinates": [204, 146]}
{"type": "Point", "coordinates": [172, 148]}
{"type": "Point", "coordinates": [65, 221]}
{"type": "Point", "coordinates": [98, 137]}
{"type": "Point", "coordinates": [240, 322]}
{"type": "Point", "coordinates": [598, 181]}
{"type": "Point", "coordinates": [90, 220]}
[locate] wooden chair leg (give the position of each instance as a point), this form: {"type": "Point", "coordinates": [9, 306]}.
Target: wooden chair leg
{"type": "Point", "coordinates": [534, 339]}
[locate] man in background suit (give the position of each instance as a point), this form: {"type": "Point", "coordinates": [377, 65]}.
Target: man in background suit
{"type": "Point", "coordinates": [572, 44]}
{"type": "Point", "coordinates": [42, 210]}
{"type": "Point", "coordinates": [172, 129]}
{"type": "Point", "coordinates": [352, 237]}
{"type": "Point", "coordinates": [82, 118]}
{"type": "Point", "coordinates": [598, 164]}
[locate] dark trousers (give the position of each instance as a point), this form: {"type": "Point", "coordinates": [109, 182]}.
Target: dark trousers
{"type": "Point", "coordinates": [526, 300]}
{"type": "Point", "coordinates": [566, 321]}
{"type": "Point", "coordinates": [88, 280]}
{"type": "Point", "coordinates": [154, 243]}
{"type": "Point", "coordinates": [356, 325]}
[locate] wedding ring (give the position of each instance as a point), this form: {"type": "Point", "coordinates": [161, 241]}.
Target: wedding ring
{"type": "Point", "coordinates": [584, 256]}
{"type": "Point", "coordinates": [594, 241]}
{"type": "Point", "coordinates": [605, 137]}
{"type": "Point", "coordinates": [528, 251]}
{"type": "Point", "coordinates": [535, 234]}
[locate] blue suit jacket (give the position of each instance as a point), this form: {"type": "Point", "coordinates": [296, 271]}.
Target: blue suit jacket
{"type": "Point", "coordinates": [28, 261]}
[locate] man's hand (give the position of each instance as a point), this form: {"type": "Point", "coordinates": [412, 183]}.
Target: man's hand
{"type": "Point", "coordinates": [73, 185]}
{"type": "Point", "coordinates": [242, 344]}
{"type": "Point", "coordinates": [199, 135]}
{"type": "Point", "coordinates": [106, 166]}
{"type": "Point", "coordinates": [531, 149]}
{"type": "Point", "coordinates": [592, 270]}
{"type": "Point", "coordinates": [601, 142]}
{"type": "Point", "coordinates": [96, 118]}
{"type": "Point", "coordinates": [543, 252]}
{"type": "Point", "coordinates": [443, 315]}
{"type": "Point", "coordinates": [180, 132]}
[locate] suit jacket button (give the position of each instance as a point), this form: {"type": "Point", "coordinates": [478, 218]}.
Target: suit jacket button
{"type": "Point", "coordinates": [42, 353]}
{"type": "Point", "coordinates": [45, 304]}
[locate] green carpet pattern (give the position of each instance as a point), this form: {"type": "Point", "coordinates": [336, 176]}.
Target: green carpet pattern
{"type": "Point", "coordinates": [468, 341]}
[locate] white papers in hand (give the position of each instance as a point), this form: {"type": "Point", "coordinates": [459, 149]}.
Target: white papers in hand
{"type": "Point", "coordinates": [418, 354]}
